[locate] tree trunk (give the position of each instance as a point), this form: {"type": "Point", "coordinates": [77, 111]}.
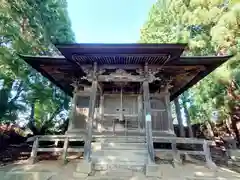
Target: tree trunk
{"type": "Point", "coordinates": [190, 132]}
{"type": "Point", "coordinates": [234, 121]}
{"type": "Point", "coordinates": [179, 117]}
{"type": "Point", "coordinates": [209, 129]}
{"type": "Point", "coordinates": [234, 108]}
{"type": "Point", "coordinates": [235, 129]}
{"type": "Point", "coordinates": [228, 125]}
{"type": "Point", "coordinates": [32, 125]}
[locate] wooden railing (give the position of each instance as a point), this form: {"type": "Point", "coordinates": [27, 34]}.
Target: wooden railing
{"type": "Point", "coordinates": [191, 141]}
{"type": "Point", "coordinates": [64, 150]}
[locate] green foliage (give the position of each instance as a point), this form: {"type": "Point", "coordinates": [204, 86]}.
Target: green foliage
{"type": "Point", "coordinates": [31, 27]}
{"type": "Point", "coordinates": [210, 27]}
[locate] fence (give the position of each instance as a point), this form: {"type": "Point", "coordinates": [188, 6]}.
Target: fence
{"type": "Point", "coordinates": [64, 150]}
{"type": "Point", "coordinates": [191, 141]}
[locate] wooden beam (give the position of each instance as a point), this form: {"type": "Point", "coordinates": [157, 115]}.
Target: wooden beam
{"type": "Point", "coordinates": [181, 140]}
{"type": "Point", "coordinates": [129, 78]}
{"type": "Point", "coordinates": [72, 137]}
{"type": "Point", "coordinates": [50, 150]}
{"type": "Point", "coordinates": [181, 151]}
{"type": "Point", "coordinates": [60, 149]}
{"type": "Point", "coordinates": [117, 115]}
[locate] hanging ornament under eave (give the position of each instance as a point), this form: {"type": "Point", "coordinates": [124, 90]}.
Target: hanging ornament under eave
{"type": "Point", "coordinates": [148, 117]}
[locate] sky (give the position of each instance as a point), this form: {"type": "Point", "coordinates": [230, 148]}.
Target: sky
{"type": "Point", "coordinates": [108, 21]}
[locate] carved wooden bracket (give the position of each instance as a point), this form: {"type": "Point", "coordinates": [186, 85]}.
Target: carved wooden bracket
{"type": "Point", "coordinates": [120, 75]}
{"type": "Point", "coordinates": [75, 85]}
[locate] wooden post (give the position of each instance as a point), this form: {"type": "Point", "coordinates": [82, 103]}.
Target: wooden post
{"type": "Point", "coordinates": [121, 106]}
{"type": "Point", "coordinates": [65, 147]}
{"type": "Point", "coordinates": [88, 141]}
{"type": "Point", "coordinates": [33, 157]}
{"type": "Point", "coordinates": [207, 152]}
{"type": "Point", "coordinates": [176, 156]}
{"type": "Point", "coordinates": [126, 127]}
{"type": "Point", "coordinates": [56, 143]}
{"type": "Point", "coordinates": [113, 122]}
{"type": "Point", "coordinates": [147, 115]}
{"type": "Point", "coordinates": [101, 111]}
{"type": "Point", "coordinates": [72, 117]}
{"type": "Point", "coordinates": [140, 107]}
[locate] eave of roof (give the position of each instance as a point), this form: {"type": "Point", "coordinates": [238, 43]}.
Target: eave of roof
{"type": "Point", "coordinates": [210, 62]}
{"type": "Point", "coordinates": [174, 51]}
{"type": "Point", "coordinates": [121, 46]}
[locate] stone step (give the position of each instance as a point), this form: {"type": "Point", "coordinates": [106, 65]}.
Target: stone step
{"type": "Point", "coordinates": [95, 146]}
{"type": "Point", "coordinates": [124, 146]}
{"type": "Point", "coordinates": [106, 165]}
{"type": "Point", "coordinates": [117, 145]}
{"type": "Point", "coordinates": [22, 175]}
{"type": "Point", "coordinates": [114, 159]}
{"type": "Point", "coordinates": [123, 139]}
{"type": "Point", "coordinates": [118, 155]}
{"type": "Point", "coordinates": [105, 178]}
{"type": "Point", "coordinates": [201, 178]}
{"type": "Point", "coordinates": [209, 178]}
{"type": "Point", "coordinates": [79, 175]}
{"type": "Point", "coordinates": [117, 152]}
{"type": "Point", "coordinates": [118, 172]}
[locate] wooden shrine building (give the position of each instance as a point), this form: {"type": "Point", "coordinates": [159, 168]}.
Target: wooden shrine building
{"type": "Point", "coordinates": [123, 89]}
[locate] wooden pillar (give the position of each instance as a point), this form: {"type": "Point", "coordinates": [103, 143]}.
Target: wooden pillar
{"type": "Point", "coordinates": [72, 116]}
{"type": "Point", "coordinates": [101, 111]}
{"type": "Point", "coordinates": [140, 112]}
{"type": "Point", "coordinates": [88, 140]}
{"type": "Point", "coordinates": [147, 115]}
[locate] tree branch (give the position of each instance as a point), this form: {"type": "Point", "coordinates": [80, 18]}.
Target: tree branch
{"type": "Point", "coordinates": [58, 109]}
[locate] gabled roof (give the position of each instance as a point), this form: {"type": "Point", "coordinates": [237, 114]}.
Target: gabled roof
{"type": "Point", "coordinates": [186, 71]}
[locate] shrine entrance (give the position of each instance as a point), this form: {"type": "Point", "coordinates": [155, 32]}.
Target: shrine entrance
{"type": "Point", "coordinates": [121, 113]}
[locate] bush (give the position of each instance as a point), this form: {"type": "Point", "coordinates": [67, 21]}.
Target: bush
{"type": "Point", "coordinates": [10, 134]}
